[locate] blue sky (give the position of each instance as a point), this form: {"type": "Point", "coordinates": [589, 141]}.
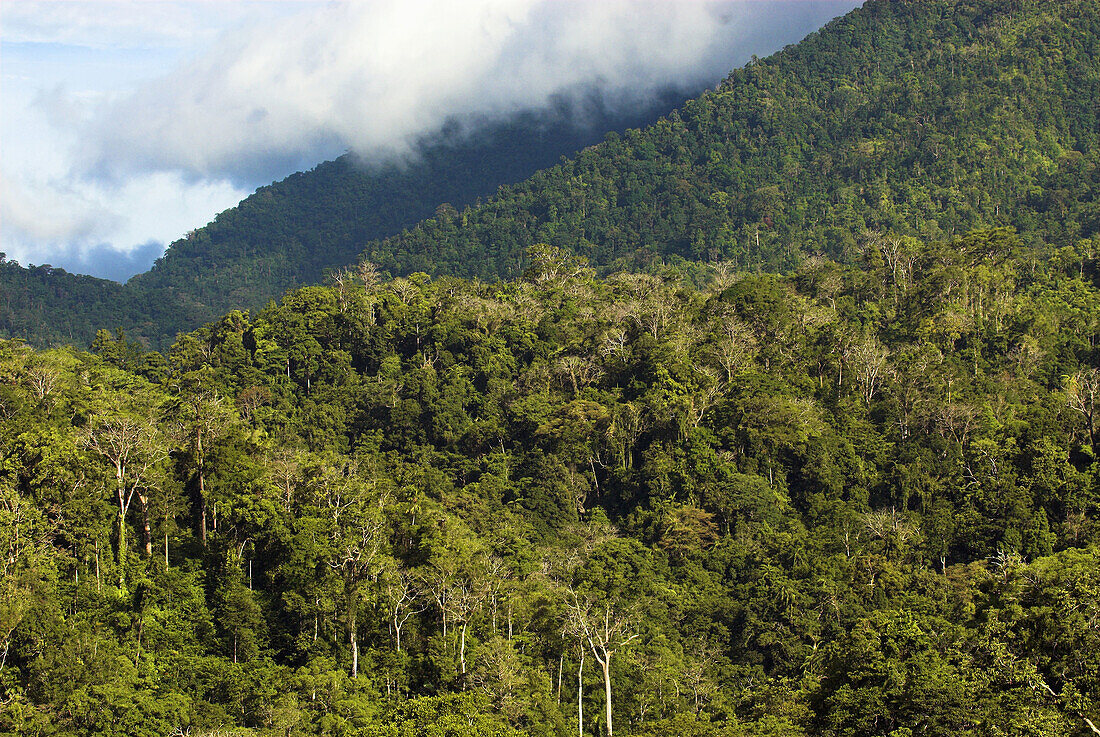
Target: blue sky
{"type": "Point", "coordinates": [124, 124]}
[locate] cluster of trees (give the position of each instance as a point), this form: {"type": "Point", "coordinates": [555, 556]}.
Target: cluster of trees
{"type": "Point", "coordinates": [856, 500]}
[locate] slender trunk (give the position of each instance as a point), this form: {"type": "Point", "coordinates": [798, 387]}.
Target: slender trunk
{"type": "Point", "coordinates": [462, 654]}
{"type": "Point", "coordinates": [121, 548]}
{"type": "Point", "coordinates": [580, 696]}
{"type": "Point", "coordinates": [120, 491]}
{"type": "Point", "coordinates": [202, 507]}
{"type": "Point", "coordinates": [146, 527]}
{"type": "Point", "coordinates": [397, 630]}
{"type": "Point", "coordinates": [605, 663]}
{"type": "Point", "coordinates": [354, 655]}
{"type": "Point", "coordinates": [561, 666]}
{"type": "Point", "coordinates": [353, 640]}
{"type": "Point", "coordinates": [200, 458]}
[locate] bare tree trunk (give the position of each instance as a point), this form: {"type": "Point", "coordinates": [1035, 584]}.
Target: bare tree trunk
{"type": "Point", "coordinates": [605, 663]}
{"type": "Point", "coordinates": [561, 666]}
{"type": "Point", "coordinates": [462, 653]}
{"type": "Point", "coordinates": [121, 548]}
{"type": "Point", "coordinates": [580, 696]}
{"type": "Point", "coordinates": [354, 641]}
{"type": "Point", "coordinates": [146, 527]}
{"type": "Point", "coordinates": [202, 507]}
{"type": "Point", "coordinates": [354, 656]}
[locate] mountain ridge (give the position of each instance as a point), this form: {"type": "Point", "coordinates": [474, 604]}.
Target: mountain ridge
{"type": "Point", "coordinates": [922, 119]}
{"type": "Point", "coordinates": [288, 233]}
{"type": "Point", "coordinates": [869, 123]}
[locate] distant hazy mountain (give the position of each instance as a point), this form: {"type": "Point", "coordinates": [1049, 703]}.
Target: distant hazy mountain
{"type": "Point", "coordinates": [289, 233]}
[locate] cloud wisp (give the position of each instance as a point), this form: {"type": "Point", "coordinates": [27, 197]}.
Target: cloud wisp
{"type": "Point", "coordinates": [282, 91]}
{"type": "Point", "coordinates": [376, 76]}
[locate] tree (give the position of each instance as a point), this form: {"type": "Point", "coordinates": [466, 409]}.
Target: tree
{"type": "Point", "coordinates": [403, 599]}
{"type": "Point", "coordinates": [133, 447]}
{"type": "Point", "coordinates": [203, 418]}
{"type": "Point", "coordinates": [1082, 394]}
{"type": "Point", "coordinates": [357, 527]}
{"type": "Point", "coordinates": [606, 632]}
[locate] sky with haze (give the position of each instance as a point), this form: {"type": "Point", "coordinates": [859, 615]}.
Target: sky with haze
{"type": "Point", "coordinates": [124, 124]}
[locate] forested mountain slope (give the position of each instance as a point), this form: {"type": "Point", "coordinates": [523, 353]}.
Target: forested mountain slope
{"type": "Point", "coordinates": [289, 233]}
{"type": "Point", "coordinates": [49, 306]}
{"type": "Point", "coordinates": [924, 118]}
{"type": "Point", "coordinates": [857, 500]}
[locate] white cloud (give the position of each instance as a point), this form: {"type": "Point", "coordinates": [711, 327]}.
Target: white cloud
{"type": "Point", "coordinates": [58, 221]}
{"type": "Point", "coordinates": [112, 24]}
{"type": "Point", "coordinates": [374, 76]}
{"type": "Point", "coordinates": [157, 115]}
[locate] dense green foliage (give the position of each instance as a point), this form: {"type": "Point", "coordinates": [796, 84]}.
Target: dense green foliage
{"type": "Point", "coordinates": [858, 500]}
{"type": "Point", "coordinates": [859, 497]}
{"type": "Point", "coordinates": [292, 232]}
{"type": "Point", "coordinates": [924, 118]}
{"type": "Point", "coordinates": [53, 307]}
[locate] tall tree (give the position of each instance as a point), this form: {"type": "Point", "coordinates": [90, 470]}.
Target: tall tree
{"type": "Point", "coordinates": [133, 447]}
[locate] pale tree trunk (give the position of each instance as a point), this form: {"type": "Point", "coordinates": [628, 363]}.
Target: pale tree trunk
{"type": "Point", "coordinates": [604, 638]}
{"type": "Point", "coordinates": [202, 498]}
{"type": "Point", "coordinates": [607, 690]}
{"type": "Point", "coordinates": [462, 654]}
{"type": "Point", "coordinates": [580, 696]}
{"type": "Point", "coordinates": [123, 503]}
{"type": "Point", "coordinates": [561, 667]}
{"type": "Point", "coordinates": [605, 665]}
{"type": "Point", "coordinates": [146, 527]}
{"type": "Point", "coordinates": [121, 548]}
{"type": "Point", "coordinates": [353, 639]}
{"type": "Point", "coordinates": [166, 537]}
{"type": "Point", "coordinates": [354, 655]}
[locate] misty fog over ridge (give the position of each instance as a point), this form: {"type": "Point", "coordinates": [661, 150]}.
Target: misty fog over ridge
{"type": "Point", "coordinates": [133, 168]}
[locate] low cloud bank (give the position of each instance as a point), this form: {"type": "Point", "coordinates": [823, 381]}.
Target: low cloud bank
{"type": "Point", "coordinates": [281, 91]}
{"type": "Point", "coordinates": [375, 76]}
